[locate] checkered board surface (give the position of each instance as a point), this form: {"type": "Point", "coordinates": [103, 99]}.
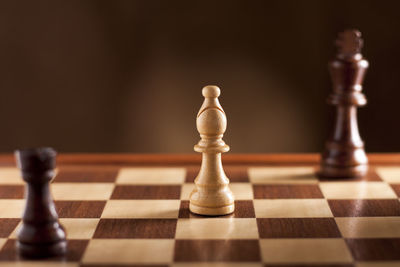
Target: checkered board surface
{"type": "Point", "coordinates": [285, 216]}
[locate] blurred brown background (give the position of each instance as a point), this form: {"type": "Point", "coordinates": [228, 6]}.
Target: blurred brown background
{"type": "Point", "coordinates": [126, 76]}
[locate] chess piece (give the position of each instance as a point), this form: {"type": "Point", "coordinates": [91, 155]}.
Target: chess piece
{"type": "Point", "coordinates": [344, 155]}
{"type": "Point", "coordinates": [41, 235]}
{"type": "Point", "coordinates": [211, 195]}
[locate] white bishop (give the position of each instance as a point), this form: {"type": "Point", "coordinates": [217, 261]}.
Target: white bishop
{"type": "Point", "coordinates": [211, 195]}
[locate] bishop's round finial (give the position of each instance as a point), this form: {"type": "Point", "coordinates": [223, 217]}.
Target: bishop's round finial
{"type": "Point", "coordinates": [211, 91]}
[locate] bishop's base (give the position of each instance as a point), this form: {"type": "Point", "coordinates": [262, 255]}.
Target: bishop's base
{"type": "Point", "coordinates": [329, 171]}
{"type": "Point", "coordinates": [224, 210]}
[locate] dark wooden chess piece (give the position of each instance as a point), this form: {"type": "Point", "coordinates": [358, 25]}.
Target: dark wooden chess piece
{"type": "Point", "coordinates": [344, 155]}
{"type": "Point", "coordinates": [41, 235]}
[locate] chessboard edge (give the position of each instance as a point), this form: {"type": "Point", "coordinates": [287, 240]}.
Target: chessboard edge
{"type": "Point", "coordinates": [187, 159]}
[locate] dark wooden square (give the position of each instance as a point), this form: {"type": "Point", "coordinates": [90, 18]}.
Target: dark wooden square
{"type": "Point", "coordinates": [146, 192]}
{"type": "Point", "coordinates": [236, 174]}
{"type": "Point", "coordinates": [12, 191]}
{"type": "Point", "coordinates": [9, 252]}
{"type": "Point", "coordinates": [298, 228]}
{"type": "Point", "coordinates": [80, 209]}
{"type": "Point", "coordinates": [286, 191]}
{"type": "Point", "coordinates": [396, 189]}
{"type": "Point", "coordinates": [191, 173]}
{"type": "Point", "coordinates": [84, 174]}
{"type": "Point", "coordinates": [364, 207]}
{"type": "Point", "coordinates": [7, 226]}
{"type": "Point", "coordinates": [375, 249]}
{"type": "Point", "coordinates": [75, 250]}
{"type": "Point", "coordinates": [243, 209]}
{"type": "Point", "coordinates": [136, 228]}
{"type": "Point", "coordinates": [217, 250]}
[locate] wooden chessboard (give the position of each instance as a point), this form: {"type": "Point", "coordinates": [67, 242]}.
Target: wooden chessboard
{"type": "Point", "coordinates": [131, 211]}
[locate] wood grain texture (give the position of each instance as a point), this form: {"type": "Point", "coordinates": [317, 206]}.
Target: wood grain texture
{"type": "Point", "coordinates": [217, 250]}
{"type": "Point", "coordinates": [136, 228]}
{"type": "Point", "coordinates": [79, 209]}
{"type": "Point", "coordinates": [376, 249]}
{"type": "Point", "coordinates": [302, 221]}
{"type": "Point", "coordinates": [12, 191]}
{"type": "Point", "coordinates": [364, 207]}
{"type": "Point", "coordinates": [86, 174]}
{"type": "Point", "coordinates": [396, 189]}
{"type": "Point", "coordinates": [75, 251]}
{"type": "Point", "coordinates": [146, 192]}
{"type": "Point", "coordinates": [370, 176]}
{"type": "Point", "coordinates": [7, 226]}
{"type": "Point", "coordinates": [286, 191]}
{"type": "Point", "coordinates": [298, 228]}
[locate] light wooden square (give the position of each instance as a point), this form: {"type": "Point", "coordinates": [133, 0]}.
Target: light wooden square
{"type": "Point", "coordinates": [186, 189]}
{"type": "Point", "coordinates": [389, 174]}
{"type": "Point", "coordinates": [151, 176]}
{"type": "Point", "coordinates": [357, 190]}
{"type": "Point", "coordinates": [129, 251]}
{"type": "Point", "coordinates": [217, 228]}
{"type": "Point", "coordinates": [10, 176]}
{"type": "Point", "coordinates": [141, 209]}
{"type": "Point", "coordinates": [369, 227]}
{"type": "Point", "coordinates": [79, 228]}
{"type": "Point", "coordinates": [14, 233]}
{"type": "Point", "coordinates": [11, 208]}
{"type": "Point", "coordinates": [82, 191]}
{"type": "Point", "coordinates": [319, 250]}
{"type": "Point", "coordinates": [282, 175]}
{"type": "Point", "coordinates": [241, 191]}
{"type": "Point", "coordinates": [291, 208]}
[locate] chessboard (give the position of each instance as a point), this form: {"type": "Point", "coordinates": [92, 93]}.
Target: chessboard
{"type": "Point", "coordinates": [135, 213]}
